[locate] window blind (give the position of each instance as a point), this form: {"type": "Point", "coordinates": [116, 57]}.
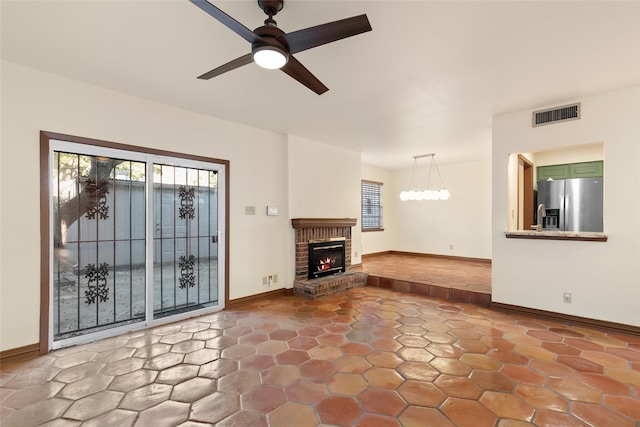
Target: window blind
{"type": "Point", "coordinates": [371, 205]}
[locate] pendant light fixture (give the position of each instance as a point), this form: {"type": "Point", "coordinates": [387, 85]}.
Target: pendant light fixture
{"type": "Point", "coordinates": [412, 190]}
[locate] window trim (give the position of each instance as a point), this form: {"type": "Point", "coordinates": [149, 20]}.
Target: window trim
{"type": "Point", "coordinates": [380, 215]}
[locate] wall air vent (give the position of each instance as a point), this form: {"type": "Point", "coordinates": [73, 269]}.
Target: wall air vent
{"type": "Point", "coordinates": [555, 115]}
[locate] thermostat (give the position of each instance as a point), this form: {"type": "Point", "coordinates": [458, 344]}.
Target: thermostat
{"type": "Point", "coordinates": [272, 210]}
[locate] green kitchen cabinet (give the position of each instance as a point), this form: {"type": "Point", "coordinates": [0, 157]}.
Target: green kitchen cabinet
{"type": "Point", "coordinates": [586, 170]}
{"type": "Point", "coordinates": [553, 172]}
{"type": "Point", "coordinates": [571, 170]}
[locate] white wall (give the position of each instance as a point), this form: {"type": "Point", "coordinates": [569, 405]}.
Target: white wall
{"type": "Point", "coordinates": [324, 182]}
{"type": "Point", "coordinates": [380, 241]}
{"type": "Point", "coordinates": [463, 221]}
{"type": "Point", "coordinates": [33, 101]}
{"type": "Point", "coordinates": [604, 278]}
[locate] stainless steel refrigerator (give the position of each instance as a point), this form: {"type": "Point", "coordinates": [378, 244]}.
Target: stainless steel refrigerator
{"type": "Point", "coordinates": [572, 204]}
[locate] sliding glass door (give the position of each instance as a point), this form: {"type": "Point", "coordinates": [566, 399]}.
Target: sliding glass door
{"type": "Point", "coordinates": [134, 240]}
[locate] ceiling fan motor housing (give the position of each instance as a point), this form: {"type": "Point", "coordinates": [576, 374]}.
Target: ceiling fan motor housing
{"type": "Point", "coordinates": [271, 7]}
{"type": "Point", "coordinates": [268, 35]}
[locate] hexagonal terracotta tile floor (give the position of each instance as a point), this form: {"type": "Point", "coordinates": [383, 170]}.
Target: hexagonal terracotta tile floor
{"type": "Point", "coordinates": [369, 357]}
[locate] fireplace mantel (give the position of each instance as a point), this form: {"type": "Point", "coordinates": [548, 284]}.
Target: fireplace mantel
{"type": "Point", "coordinates": [298, 223]}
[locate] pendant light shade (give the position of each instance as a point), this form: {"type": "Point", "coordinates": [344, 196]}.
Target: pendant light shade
{"type": "Point", "coordinates": [413, 191]}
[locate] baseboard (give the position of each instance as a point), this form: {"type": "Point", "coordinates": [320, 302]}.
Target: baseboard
{"type": "Point", "coordinates": [238, 302]}
{"type": "Point", "coordinates": [601, 325]}
{"type": "Point", "coordinates": [418, 254]}
{"type": "Point", "coordinates": [18, 355]}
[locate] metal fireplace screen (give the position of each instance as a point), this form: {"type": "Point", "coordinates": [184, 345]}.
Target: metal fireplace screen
{"type": "Point", "coordinates": [326, 257]}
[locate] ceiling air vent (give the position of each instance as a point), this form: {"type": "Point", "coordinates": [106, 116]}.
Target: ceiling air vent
{"type": "Point", "coordinates": [558, 114]}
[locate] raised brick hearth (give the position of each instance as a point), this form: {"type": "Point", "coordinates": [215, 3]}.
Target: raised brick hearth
{"type": "Point", "coordinates": [308, 229]}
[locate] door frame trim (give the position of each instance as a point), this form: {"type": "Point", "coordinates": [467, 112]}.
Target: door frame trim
{"type": "Point", "coordinates": [45, 214]}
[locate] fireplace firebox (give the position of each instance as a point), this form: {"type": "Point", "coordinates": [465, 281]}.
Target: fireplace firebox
{"type": "Point", "coordinates": [326, 257]}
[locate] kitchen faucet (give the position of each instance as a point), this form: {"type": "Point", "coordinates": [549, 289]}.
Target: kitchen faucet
{"type": "Point", "coordinates": [542, 212]}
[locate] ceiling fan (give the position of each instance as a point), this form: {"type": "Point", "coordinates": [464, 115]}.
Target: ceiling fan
{"type": "Point", "coordinates": [273, 48]}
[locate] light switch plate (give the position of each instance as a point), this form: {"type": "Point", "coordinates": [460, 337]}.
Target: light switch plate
{"type": "Point", "coordinates": [272, 210]}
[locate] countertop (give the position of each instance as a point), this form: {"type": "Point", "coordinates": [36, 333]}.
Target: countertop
{"type": "Point", "coordinates": [557, 235]}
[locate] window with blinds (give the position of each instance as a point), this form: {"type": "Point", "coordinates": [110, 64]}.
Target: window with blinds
{"type": "Point", "coordinates": [371, 206]}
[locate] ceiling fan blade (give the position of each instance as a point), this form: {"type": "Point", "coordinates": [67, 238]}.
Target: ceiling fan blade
{"type": "Point", "coordinates": [326, 33]}
{"type": "Point", "coordinates": [236, 63]}
{"type": "Point", "coordinates": [299, 72]}
{"type": "Point", "coordinates": [227, 20]}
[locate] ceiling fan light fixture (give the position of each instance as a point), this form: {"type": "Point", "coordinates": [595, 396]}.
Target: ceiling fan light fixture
{"type": "Point", "coordinates": [270, 57]}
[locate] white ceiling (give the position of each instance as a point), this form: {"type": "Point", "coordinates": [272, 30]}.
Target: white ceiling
{"type": "Point", "coordinates": [428, 78]}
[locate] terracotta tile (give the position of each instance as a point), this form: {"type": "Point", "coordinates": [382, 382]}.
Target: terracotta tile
{"type": "Point", "coordinates": [168, 413]}
{"type": "Point", "coordinates": [509, 356]}
{"type": "Point", "coordinates": [552, 369]}
{"type": "Point", "coordinates": [338, 410]}
{"type": "Point", "coordinates": [282, 335]}
{"type": "Point", "coordinates": [238, 382]}
{"type": "Point", "coordinates": [271, 347]}
{"type": "Point", "coordinates": [193, 389]}
{"type": "Point", "coordinates": [597, 415]}
{"type": "Point", "coordinates": [493, 381]}
{"type": "Point", "coordinates": [241, 419]}
{"type": "Point", "coordinates": [626, 405]}
{"type": "Point", "coordinates": [546, 336]}
{"type": "Point", "coordinates": [626, 376]}
{"type": "Point", "coordinates": [421, 393]}
{"type": "Point", "coordinates": [306, 391]}
{"type": "Point", "coordinates": [217, 369]}
{"type": "Point", "coordinates": [105, 401]}
{"type": "Point", "coordinates": [292, 357]}
{"type": "Point", "coordinates": [416, 416]}
{"type": "Point", "coordinates": [385, 344]}
{"type": "Point", "coordinates": [450, 366]}
{"type": "Point", "coordinates": [383, 377]}
{"type": "Point", "coordinates": [560, 348]}
{"type": "Point", "coordinates": [583, 344]}
{"type": "Point", "coordinates": [542, 398]}
{"type": "Point", "coordinates": [458, 387]}
{"type": "Point", "coordinates": [411, 354]}
{"type": "Point", "coordinates": [214, 408]}
{"type": "Point", "coordinates": [352, 364]}
{"type": "Point", "coordinates": [468, 413]}
{"type": "Point", "coordinates": [556, 419]}
{"type": "Point", "coordinates": [325, 353]}
{"type": "Point", "coordinates": [523, 375]}
{"type": "Point", "coordinates": [625, 353]}
{"type": "Point", "coordinates": [480, 361]}
{"type": "Point", "coordinates": [382, 401]}
{"type": "Point", "coordinates": [506, 405]}
{"type": "Point", "coordinates": [347, 384]}
{"type": "Point", "coordinates": [384, 359]}
{"type": "Point", "coordinates": [444, 350]}
{"type": "Point", "coordinates": [574, 390]}
{"type": "Point", "coordinates": [580, 364]}
{"type": "Point", "coordinates": [263, 399]}
{"type": "Point", "coordinates": [293, 414]}
{"type": "Point", "coordinates": [497, 343]}
{"type": "Point", "coordinates": [373, 420]}
{"type": "Point", "coordinates": [317, 369]}
{"type": "Point", "coordinates": [356, 349]}
{"type": "Point", "coordinates": [604, 384]}
{"type": "Point", "coordinates": [37, 413]}
{"type": "Point", "coordinates": [418, 371]}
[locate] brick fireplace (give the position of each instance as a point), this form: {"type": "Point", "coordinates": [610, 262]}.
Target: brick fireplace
{"type": "Point", "coordinates": [309, 230]}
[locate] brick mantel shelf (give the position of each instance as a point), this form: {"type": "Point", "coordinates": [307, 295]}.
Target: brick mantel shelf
{"type": "Point", "coordinates": [322, 222]}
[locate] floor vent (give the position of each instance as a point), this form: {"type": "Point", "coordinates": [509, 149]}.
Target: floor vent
{"type": "Point", "coordinates": [555, 115]}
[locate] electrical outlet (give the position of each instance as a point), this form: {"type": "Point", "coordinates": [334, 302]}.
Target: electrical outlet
{"type": "Point", "coordinates": [275, 278]}
{"type": "Point", "coordinates": [264, 281]}
{"type": "Point", "coordinates": [567, 297]}
{"type": "Point", "coordinates": [249, 210]}
{"type": "Point", "coordinates": [450, 247]}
